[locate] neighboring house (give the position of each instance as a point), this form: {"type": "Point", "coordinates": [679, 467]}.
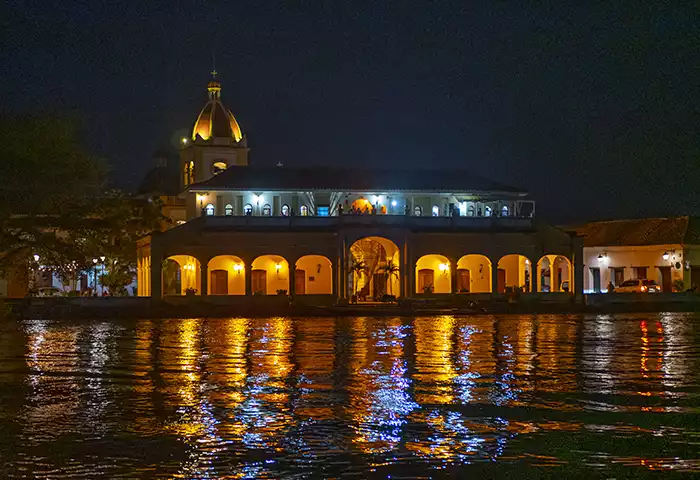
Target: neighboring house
{"type": "Point", "coordinates": [666, 250]}
{"type": "Point", "coordinates": [163, 181]}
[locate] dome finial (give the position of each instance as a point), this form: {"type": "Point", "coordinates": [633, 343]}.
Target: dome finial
{"type": "Point", "coordinates": [214, 73]}
{"type": "Point", "coordinates": [214, 86]}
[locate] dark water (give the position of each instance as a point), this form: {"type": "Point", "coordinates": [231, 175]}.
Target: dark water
{"type": "Point", "coordinates": [481, 397]}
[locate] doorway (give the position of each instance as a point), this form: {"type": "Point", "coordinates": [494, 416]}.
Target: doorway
{"type": "Point", "coordinates": [258, 280]}
{"type": "Point", "coordinates": [666, 285]}
{"type": "Point", "coordinates": [501, 280]}
{"type": "Point", "coordinates": [425, 280]}
{"type": "Point", "coordinates": [463, 280]}
{"type": "Point", "coordinates": [595, 272]}
{"type": "Point", "coordinates": [300, 282]}
{"type": "Point", "coordinates": [219, 282]}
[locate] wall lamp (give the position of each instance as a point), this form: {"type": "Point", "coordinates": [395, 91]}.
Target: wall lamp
{"type": "Point", "coordinates": [444, 267]}
{"type": "Point", "coordinates": [665, 256]}
{"type": "Point", "coordinates": [237, 268]}
{"type": "Point", "coordinates": [603, 257]}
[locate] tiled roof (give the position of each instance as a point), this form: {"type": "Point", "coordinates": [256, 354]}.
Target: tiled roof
{"type": "Point", "coordinates": [638, 232]}
{"type": "Point", "coordinates": [355, 179]}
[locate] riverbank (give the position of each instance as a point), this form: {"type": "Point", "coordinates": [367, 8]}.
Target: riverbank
{"type": "Point", "coordinates": [265, 306]}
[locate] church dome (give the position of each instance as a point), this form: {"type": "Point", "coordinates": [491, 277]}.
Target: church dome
{"type": "Point", "coordinates": [215, 120]}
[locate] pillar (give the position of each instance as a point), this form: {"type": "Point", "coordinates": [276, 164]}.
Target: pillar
{"type": "Point", "coordinates": [577, 265]}
{"type": "Point", "coordinates": [453, 276]}
{"type": "Point", "coordinates": [292, 278]}
{"type": "Point", "coordinates": [403, 269]}
{"type": "Point", "coordinates": [334, 278]}
{"type": "Point", "coordinates": [494, 277]}
{"type": "Point", "coordinates": [156, 272]}
{"type": "Point", "coordinates": [248, 279]}
{"type": "Point", "coordinates": [204, 278]}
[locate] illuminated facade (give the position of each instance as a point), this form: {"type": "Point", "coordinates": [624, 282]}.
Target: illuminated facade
{"type": "Point", "coordinates": [359, 234]}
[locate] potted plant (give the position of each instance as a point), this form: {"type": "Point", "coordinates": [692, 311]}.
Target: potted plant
{"type": "Point", "coordinates": [428, 288]}
{"type": "Point", "coordinates": [281, 291]}
{"type": "Point", "coordinates": [189, 291]}
{"type": "Point", "coordinates": [258, 293]}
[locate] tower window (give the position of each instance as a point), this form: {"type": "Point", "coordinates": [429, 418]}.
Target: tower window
{"type": "Point", "coordinates": [505, 211]}
{"type": "Point", "coordinates": [488, 211]}
{"type": "Point", "coordinates": [218, 167]}
{"type": "Point", "coordinates": [228, 210]}
{"type": "Point", "coordinates": [285, 210]}
{"type": "Point", "coordinates": [470, 211]}
{"type": "Point", "coordinates": [417, 211]}
{"type": "Point", "coordinates": [248, 209]}
{"type": "Point", "coordinates": [267, 210]}
{"type": "Point", "coordinates": [304, 211]}
{"type": "Point", "coordinates": [209, 209]}
{"type": "Point", "coordinates": [436, 211]}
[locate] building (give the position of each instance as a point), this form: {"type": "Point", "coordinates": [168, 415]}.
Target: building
{"type": "Point", "coordinates": [666, 250]}
{"type": "Point", "coordinates": [352, 233]}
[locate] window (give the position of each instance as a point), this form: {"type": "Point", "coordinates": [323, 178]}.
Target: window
{"type": "Point", "coordinates": [436, 211]}
{"type": "Point", "coordinates": [248, 209]}
{"type": "Point", "coordinates": [488, 211]}
{"type": "Point", "coordinates": [470, 211]}
{"type": "Point", "coordinates": [304, 211]}
{"type": "Point", "coordinates": [228, 209]}
{"type": "Point", "coordinates": [322, 211]}
{"type": "Point", "coordinates": [463, 209]}
{"type": "Point", "coordinates": [505, 211]}
{"type": "Point", "coordinates": [285, 210]}
{"type": "Point", "coordinates": [267, 210]}
{"type": "Point", "coordinates": [218, 167]}
{"type": "Point", "coordinates": [209, 209]}
{"type": "Point", "coordinates": [641, 272]}
{"type": "Point", "coordinates": [617, 276]}
{"type": "Point", "coordinates": [191, 172]}
{"type": "Point", "coordinates": [417, 211]}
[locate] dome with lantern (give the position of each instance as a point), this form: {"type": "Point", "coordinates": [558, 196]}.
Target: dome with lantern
{"type": "Point", "coordinates": [215, 121]}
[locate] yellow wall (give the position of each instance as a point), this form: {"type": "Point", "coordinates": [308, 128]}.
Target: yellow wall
{"type": "Point", "coordinates": [515, 267]}
{"type": "Point", "coordinates": [318, 267]}
{"type": "Point", "coordinates": [236, 278]}
{"type": "Point", "coordinates": [276, 280]}
{"type": "Point", "coordinates": [442, 279]}
{"type": "Point", "coordinates": [479, 268]}
{"type": "Point", "coordinates": [189, 272]}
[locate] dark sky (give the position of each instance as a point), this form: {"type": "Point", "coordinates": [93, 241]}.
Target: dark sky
{"type": "Point", "coordinates": [594, 110]}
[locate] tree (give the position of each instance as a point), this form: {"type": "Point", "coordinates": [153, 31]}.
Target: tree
{"type": "Point", "coordinates": [391, 270]}
{"type": "Point", "coordinates": [358, 269]}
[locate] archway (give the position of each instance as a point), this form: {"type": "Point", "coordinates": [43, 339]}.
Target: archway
{"type": "Point", "coordinates": [313, 275]}
{"type": "Point", "coordinates": [361, 205]}
{"type": "Point", "coordinates": [433, 274]}
{"type": "Point", "coordinates": [269, 275]}
{"type": "Point", "coordinates": [226, 275]}
{"type": "Point", "coordinates": [181, 275]}
{"type": "Point", "coordinates": [474, 274]}
{"type": "Point", "coordinates": [374, 268]}
{"type": "Point", "coordinates": [555, 274]}
{"type": "Point", "coordinates": [514, 272]}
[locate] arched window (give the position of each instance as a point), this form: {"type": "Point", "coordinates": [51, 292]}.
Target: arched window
{"type": "Point", "coordinates": [191, 172]}
{"type": "Point", "coordinates": [488, 211]}
{"type": "Point", "coordinates": [267, 210]}
{"type": "Point", "coordinates": [285, 210]}
{"type": "Point", "coordinates": [186, 175]}
{"type": "Point", "coordinates": [218, 167]}
{"type": "Point", "coordinates": [505, 211]}
{"type": "Point", "coordinates": [436, 211]}
{"type": "Point", "coordinates": [470, 211]}
{"type": "Point", "coordinates": [417, 211]}
{"type": "Point", "coordinates": [248, 209]}
{"type": "Point", "coordinates": [228, 209]}
{"type": "Point", "coordinates": [209, 209]}
{"type": "Point", "coordinates": [304, 211]}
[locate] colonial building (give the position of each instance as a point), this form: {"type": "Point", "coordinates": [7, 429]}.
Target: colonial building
{"type": "Point", "coordinates": [355, 233]}
{"type": "Point", "coordinates": [666, 250]}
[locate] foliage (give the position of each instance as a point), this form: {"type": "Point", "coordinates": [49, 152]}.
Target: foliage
{"type": "Point", "coordinates": [358, 269]}
{"type": "Point", "coordinates": [391, 270]}
{"type": "Point", "coordinates": [54, 203]}
{"type": "Point", "coordinates": [678, 285]}
{"type": "Point", "coordinates": [428, 288]}
{"type": "Point", "coordinates": [190, 291]}
{"type": "Point", "coordinates": [281, 291]}
{"type": "Point", "coordinates": [117, 278]}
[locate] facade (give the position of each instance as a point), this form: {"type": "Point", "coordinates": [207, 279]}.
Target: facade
{"type": "Point", "coordinates": [358, 234]}
{"type": "Point", "coordinates": [666, 250]}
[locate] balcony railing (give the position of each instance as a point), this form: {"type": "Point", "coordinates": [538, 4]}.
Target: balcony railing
{"type": "Point", "coordinates": [418, 223]}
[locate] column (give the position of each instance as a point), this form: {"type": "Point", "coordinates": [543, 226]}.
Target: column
{"type": "Point", "coordinates": [248, 279]}
{"type": "Point", "coordinates": [403, 271]}
{"type": "Point", "coordinates": [292, 278]}
{"type": "Point", "coordinates": [494, 277]}
{"type": "Point", "coordinates": [156, 271]}
{"type": "Point", "coordinates": [204, 278]}
{"type": "Point", "coordinates": [577, 265]}
{"type": "Point", "coordinates": [334, 277]}
{"type": "Point", "coordinates": [453, 276]}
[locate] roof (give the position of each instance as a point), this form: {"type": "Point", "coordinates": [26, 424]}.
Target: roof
{"type": "Point", "coordinates": [640, 232]}
{"type": "Point", "coordinates": [160, 181]}
{"type": "Point", "coordinates": [215, 120]}
{"type": "Point", "coordinates": [347, 179]}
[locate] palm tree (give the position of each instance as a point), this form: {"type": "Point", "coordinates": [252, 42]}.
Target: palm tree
{"type": "Point", "coordinates": [391, 270]}
{"type": "Point", "coordinates": [358, 268]}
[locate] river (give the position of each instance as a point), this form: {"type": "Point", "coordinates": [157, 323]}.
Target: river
{"type": "Point", "coordinates": [489, 396]}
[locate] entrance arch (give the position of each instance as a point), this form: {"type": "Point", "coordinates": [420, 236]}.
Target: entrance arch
{"type": "Point", "coordinates": [555, 274]}
{"type": "Point", "coordinates": [433, 274]}
{"type": "Point", "coordinates": [226, 275]}
{"type": "Point", "coordinates": [474, 274]}
{"type": "Point", "coordinates": [269, 275]}
{"type": "Point", "coordinates": [374, 268]}
{"type": "Point", "coordinates": [514, 271]}
{"type": "Point", "coordinates": [313, 275]}
{"type": "Point", "coordinates": [180, 274]}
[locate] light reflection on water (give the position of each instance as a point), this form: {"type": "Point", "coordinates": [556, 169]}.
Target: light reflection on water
{"type": "Point", "coordinates": [268, 398]}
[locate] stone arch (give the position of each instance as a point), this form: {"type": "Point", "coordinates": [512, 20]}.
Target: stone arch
{"type": "Point", "coordinates": [226, 275]}
{"type": "Point", "coordinates": [181, 273]}
{"type": "Point", "coordinates": [555, 273]}
{"type": "Point", "coordinates": [313, 275]}
{"type": "Point", "coordinates": [269, 274]}
{"type": "Point", "coordinates": [475, 268]}
{"type": "Point", "coordinates": [514, 271]}
{"type": "Point", "coordinates": [381, 274]}
{"type": "Point", "coordinates": [433, 274]}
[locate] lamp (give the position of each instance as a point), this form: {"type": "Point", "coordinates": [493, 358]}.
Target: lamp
{"type": "Point", "coordinates": [393, 203]}
{"type": "Point", "coordinates": [36, 257]}
{"type": "Point", "coordinates": [184, 140]}
{"type": "Point", "coordinates": [665, 256]}
{"type": "Point", "coordinates": [102, 259]}
{"type": "Point", "coordinates": [602, 257]}
{"type": "Point", "coordinates": [237, 268]}
{"type": "Point", "coordinates": [278, 266]}
{"type": "Point", "coordinates": [443, 267]}
{"type": "Point", "coordinates": [94, 260]}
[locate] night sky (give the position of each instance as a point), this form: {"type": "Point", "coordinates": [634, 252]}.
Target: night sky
{"type": "Point", "coordinates": [594, 110]}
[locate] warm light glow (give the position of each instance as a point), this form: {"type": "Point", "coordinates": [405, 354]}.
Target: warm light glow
{"type": "Point", "coordinates": [184, 141]}
{"type": "Point", "coordinates": [36, 257]}
{"type": "Point", "coordinates": [443, 267]}
{"type": "Point", "coordinates": [94, 260]}
{"type": "Point", "coordinates": [278, 266]}
{"type": "Point", "coordinates": [665, 256]}
{"type": "Point", "coordinates": [102, 259]}
{"type": "Point", "coordinates": [527, 262]}
{"type": "Point", "coordinates": [238, 267]}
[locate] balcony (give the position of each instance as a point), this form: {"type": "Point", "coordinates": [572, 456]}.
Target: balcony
{"type": "Point", "coordinates": [389, 221]}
